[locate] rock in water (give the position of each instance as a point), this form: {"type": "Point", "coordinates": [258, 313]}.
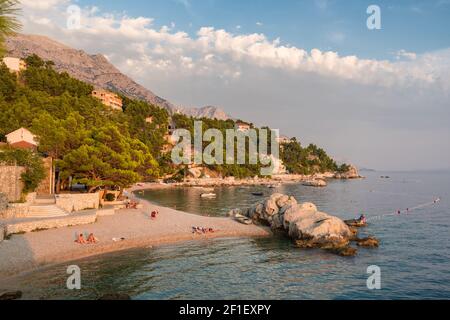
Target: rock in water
{"type": "Point", "coordinates": [305, 224]}
{"type": "Point", "coordinates": [346, 251]}
{"type": "Point", "coordinates": [11, 295]}
{"type": "Point", "coordinates": [369, 242]}
{"type": "Point", "coordinates": [352, 173]}
{"type": "Point", "coordinates": [355, 223]}
{"type": "Point", "coordinates": [318, 183]}
{"type": "Point", "coordinates": [115, 297]}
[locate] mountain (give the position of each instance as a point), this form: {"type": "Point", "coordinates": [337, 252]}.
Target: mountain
{"type": "Point", "coordinates": [96, 70]}
{"type": "Point", "coordinates": [205, 112]}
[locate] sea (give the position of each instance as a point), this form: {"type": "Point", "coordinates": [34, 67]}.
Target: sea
{"type": "Point", "coordinates": [413, 260]}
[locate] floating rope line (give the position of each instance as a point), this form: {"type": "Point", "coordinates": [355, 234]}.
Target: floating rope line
{"type": "Point", "coordinates": [405, 211]}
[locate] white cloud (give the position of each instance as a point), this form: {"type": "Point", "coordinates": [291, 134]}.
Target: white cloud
{"type": "Point", "coordinates": [234, 50]}
{"type": "Point", "coordinates": [340, 102]}
{"type": "Point", "coordinates": [403, 54]}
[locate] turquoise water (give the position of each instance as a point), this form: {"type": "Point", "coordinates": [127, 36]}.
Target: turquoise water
{"type": "Point", "coordinates": [414, 256]}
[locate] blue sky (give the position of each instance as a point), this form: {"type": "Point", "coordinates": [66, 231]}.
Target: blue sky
{"type": "Point", "coordinates": [339, 25]}
{"type": "Point", "coordinates": [378, 99]}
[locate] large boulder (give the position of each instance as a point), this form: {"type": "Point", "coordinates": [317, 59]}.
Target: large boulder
{"type": "Point", "coordinates": [320, 227]}
{"type": "Point", "coordinates": [295, 212]}
{"type": "Point", "coordinates": [306, 225]}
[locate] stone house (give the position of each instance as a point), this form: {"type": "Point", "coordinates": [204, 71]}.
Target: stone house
{"type": "Point", "coordinates": [14, 64]}
{"type": "Point", "coordinates": [109, 99]}
{"type": "Point", "coordinates": [22, 139]}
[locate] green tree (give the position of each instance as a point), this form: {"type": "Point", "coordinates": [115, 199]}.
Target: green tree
{"type": "Point", "coordinates": [108, 158]}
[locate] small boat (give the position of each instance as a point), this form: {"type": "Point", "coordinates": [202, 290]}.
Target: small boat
{"type": "Point", "coordinates": [208, 195]}
{"type": "Point", "coordinates": [258, 194]}
{"type": "Point", "coordinates": [243, 219]}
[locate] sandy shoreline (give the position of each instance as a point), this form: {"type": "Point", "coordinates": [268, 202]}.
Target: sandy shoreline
{"type": "Point", "coordinates": [28, 252]}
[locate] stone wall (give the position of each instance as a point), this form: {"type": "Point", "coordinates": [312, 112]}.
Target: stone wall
{"type": "Point", "coordinates": [84, 218]}
{"type": "Point", "coordinates": [11, 182]}
{"type": "Point", "coordinates": [78, 202]}
{"type": "Point", "coordinates": [15, 211]}
{"type": "Point", "coordinates": [3, 202]}
{"type": "Point", "coordinates": [46, 186]}
{"type": "Point", "coordinates": [2, 232]}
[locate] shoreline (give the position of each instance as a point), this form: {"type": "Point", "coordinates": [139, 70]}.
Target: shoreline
{"type": "Point", "coordinates": [231, 182]}
{"type": "Point", "coordinates": [30, 252]}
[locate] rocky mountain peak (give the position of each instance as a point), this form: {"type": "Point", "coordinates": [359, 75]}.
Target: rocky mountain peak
{"type": "Point", "coordinates": [96, 70]}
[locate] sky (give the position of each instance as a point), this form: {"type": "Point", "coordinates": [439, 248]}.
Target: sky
{"type": "Point", "coordinates": [311, 68]}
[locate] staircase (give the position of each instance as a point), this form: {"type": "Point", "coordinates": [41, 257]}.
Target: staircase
{"type": "Point", "coordinates": [45, 200]}
{"type": "Point", "coordinates": [44, 207]}
{"type": "Point", "coordinates": [45, 211]}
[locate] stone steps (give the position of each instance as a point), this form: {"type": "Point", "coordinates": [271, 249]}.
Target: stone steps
{"type": "Point", "coordinates": [45, 211]}
{"type": "Point", "coordinates": [44, 200]}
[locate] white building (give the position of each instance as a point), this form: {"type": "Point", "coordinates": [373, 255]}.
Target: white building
{"type": "Point", "coordinates": [242, 126]}
{"type": "Point", "coordinates": [22, 139]}
{"type": "Point", "coordinates": [14, 64]}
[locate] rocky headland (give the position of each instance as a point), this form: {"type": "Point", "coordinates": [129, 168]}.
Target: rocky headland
{"type": "Point", "coordinates": [306, 225]}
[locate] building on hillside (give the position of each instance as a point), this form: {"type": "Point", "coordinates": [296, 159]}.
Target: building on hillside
{"type": "Point", "coordinates": [11, 174]}
{"type": "Point", "coordinates": [22, 139]}
{"type": "Point", "coordinates": [109, 99]}
{"type": "Point", "coordinates": [14, 64]}
{"type": "Point", "coordinates": [283, 140]}
{"type": "Point", "coordinates": [242, 126]}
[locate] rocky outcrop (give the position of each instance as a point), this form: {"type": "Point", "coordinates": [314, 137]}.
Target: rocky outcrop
{"type": "Point", "coordinates": [351, 173]}
{"type": "Point", "coordinates": [115, 297]}
{"type": "Point", "coordinates": [317, 183]}
{"type": "Point", "coordinates": [305, 224]}
{"type": "Point", "coordinates": [11, 296]}
{"type": "Point", "coordinates": [369, 242]}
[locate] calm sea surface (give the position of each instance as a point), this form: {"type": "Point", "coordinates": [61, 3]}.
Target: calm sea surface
{"type": "Point", "coordinates": [414, 256]}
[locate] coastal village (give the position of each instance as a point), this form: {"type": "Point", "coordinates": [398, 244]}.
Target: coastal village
{"type": "Point", "coordinates": [45, 222]}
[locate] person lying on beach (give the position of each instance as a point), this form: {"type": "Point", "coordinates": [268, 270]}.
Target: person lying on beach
{"type": "Point", "coordinates": [131, 204]}
{"type": "Point", "coordinates": [92, 239]}
{"type": "Point", "coordinates": [80, 239]}
{"type": "Point", "coordinates": [200, 230]}
{"type": "Point", "coordinates": [154, 215]}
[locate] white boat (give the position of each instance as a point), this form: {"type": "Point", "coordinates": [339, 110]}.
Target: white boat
{"type": "Point", "coordinates": [208, 195]}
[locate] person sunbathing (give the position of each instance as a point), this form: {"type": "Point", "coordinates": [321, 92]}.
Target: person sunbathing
{"type": "Point", "coordinates": [154, 215]}
{"type": "Point", "coordinates": [80, 239]}
{"type": "Point", "coordinates": [92, 239]}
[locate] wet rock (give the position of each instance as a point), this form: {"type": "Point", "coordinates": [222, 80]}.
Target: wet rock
{"type": "Point", "coordinates": [356, 223]}
{"type": "Point", "coordinates": [345, 252]}
{"type": "Point", "coordinates": [115, 297]}
{"type": "Point", "coordinates": [11, 295]}
{"type": "Point", "coordinates": [317, 183]}
{"type": "Point", "coordinates": [369, 242]}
